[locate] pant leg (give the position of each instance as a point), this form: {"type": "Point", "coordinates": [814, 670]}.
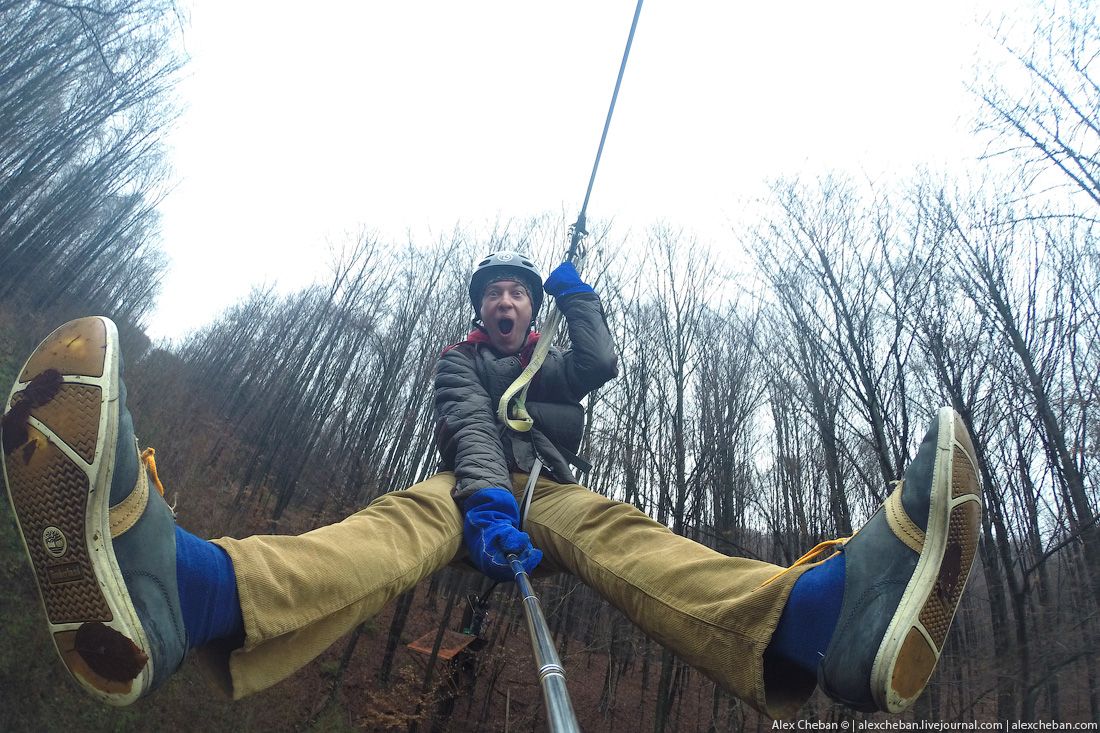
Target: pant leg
{"type": "Point", "coordinates": [299, 594]}
{"type": "Point", "coordinates": [707, 608]}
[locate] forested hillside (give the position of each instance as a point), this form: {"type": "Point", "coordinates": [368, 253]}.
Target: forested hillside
{"type": "Point", "coordinates": [761, 407]}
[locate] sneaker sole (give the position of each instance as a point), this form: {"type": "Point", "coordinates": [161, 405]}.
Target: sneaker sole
{"type": "Point", "coordinates": [58, 461]}
{"type": "Point", "coordinates": [915, 637]}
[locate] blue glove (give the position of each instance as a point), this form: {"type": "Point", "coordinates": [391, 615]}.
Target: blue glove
{"type": "Point", "coordinates": [490, 530]}
{"type": "Point", "coordinates": [565, 280]}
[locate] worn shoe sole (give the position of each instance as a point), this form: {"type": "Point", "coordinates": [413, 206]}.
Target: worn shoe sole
{"type": "Point", "coordinates": [60, 433]}
{"type": "Point", "coordinates": [915, 637]}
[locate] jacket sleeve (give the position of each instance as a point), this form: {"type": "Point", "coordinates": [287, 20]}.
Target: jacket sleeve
{"type": "Point", "coordinates": [466, 426]}
{"type": "Point", "coordinates": [591, 362]}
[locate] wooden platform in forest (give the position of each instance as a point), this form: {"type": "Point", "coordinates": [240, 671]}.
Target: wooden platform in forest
{"type": "Point", "coordinates": [453, 642]}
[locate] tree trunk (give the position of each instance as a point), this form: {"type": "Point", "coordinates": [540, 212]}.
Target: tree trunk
{"type": "Point", "coordinates": [393, 638]}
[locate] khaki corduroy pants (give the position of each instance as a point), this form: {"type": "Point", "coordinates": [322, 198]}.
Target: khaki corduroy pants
{"type": "Point", "coordinates": [299, 594]}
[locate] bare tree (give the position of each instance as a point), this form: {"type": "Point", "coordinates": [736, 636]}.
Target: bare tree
{"type": "Point", "coordinates": [1049, 120]}
{"type": "Point", "coordinates": [83, 107]}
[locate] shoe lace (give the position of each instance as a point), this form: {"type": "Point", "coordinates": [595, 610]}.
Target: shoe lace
{"type": "Point", "coordinates": [148, 457]}
{"type": "Point", "coordinates": [811, 556]}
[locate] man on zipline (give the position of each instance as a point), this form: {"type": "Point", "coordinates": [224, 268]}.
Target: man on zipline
{"type": "Point", "coordinates": [127, 592]}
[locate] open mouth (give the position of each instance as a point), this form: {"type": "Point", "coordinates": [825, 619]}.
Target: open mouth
{"type": "Point", "coordinates": [505, 325]}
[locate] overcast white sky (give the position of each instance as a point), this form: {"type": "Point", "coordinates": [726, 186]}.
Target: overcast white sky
{"type": "Point", "coordinates": [306, 121]}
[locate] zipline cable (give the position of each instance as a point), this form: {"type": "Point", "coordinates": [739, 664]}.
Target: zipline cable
{"type": "Point", "coordinates": [578, 228]}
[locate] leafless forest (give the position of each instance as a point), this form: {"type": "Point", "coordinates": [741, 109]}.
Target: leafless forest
{"type": "Point", "coordinates": [761, 408]}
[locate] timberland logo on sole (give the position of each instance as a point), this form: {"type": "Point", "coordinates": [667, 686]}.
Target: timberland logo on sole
{"type": "Point", "coordinates": [66, 573]}
{"type": "Point", "coordinates": [54, 541]}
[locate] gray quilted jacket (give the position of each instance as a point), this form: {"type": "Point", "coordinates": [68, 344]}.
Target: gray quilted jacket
{"type": "Point", "coordinates": [470, 379]}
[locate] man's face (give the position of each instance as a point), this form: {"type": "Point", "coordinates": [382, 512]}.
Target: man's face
{"type": "Point", "coordinates": [506, 313]}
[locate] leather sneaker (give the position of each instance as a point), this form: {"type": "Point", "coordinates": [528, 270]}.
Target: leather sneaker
{"type": "Point", "coordinates": [904, 575]}
{"type": "Point", "coordinates": [101, 544]}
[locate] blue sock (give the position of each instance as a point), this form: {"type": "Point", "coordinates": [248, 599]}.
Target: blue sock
{"type": "Point", "coordinates": [208, 590]}
{"type": "Point", "coordinates": [810, 616]}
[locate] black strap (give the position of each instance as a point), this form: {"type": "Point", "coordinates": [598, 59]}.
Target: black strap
{"type": "Point", "coordinates": [584, 466]}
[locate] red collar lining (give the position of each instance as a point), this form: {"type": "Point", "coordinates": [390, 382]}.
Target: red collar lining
{"type": "Point", "coordinates": [479, 336]}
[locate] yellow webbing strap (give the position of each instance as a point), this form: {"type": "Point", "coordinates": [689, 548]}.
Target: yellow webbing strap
{"type": "Point", "coordinates": [522, 421]}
